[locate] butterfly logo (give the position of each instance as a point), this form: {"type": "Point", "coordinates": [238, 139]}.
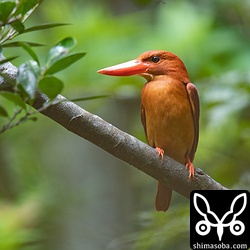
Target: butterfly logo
{"type": "Point", "coordinates": [210, 219]}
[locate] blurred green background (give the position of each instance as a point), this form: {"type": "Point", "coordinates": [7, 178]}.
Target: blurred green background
{"type": "Point", "coordinates": [61, 192]}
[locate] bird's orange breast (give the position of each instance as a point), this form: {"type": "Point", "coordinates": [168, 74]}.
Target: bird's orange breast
{"type": "Point", "coordinates": [168, 119]}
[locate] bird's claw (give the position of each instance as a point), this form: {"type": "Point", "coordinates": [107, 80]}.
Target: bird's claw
{"type": "Point", "coordinates": [160, 152]}
{"type": "Point", "coordinates": [190, 166]}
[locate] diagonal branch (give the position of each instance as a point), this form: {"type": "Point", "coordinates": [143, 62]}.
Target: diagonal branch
{"type": "Point", "coordinates": [118, 143]}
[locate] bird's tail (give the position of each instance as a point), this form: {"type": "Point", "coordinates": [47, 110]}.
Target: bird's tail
{"type": "Point", "coordinates": [163, 197]}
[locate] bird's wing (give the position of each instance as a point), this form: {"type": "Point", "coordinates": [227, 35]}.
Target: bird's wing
{"type": "Point", "coordinates": [195, 105]}
{"type": "Point", "coordinates": [143, 120]}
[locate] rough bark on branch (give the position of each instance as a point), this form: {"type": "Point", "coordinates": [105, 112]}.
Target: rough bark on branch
{"type": "Point", "coordinates": [118, 143]}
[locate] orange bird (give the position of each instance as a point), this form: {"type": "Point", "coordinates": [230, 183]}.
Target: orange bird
{"type": "Point", "coordinates": [169, 109]}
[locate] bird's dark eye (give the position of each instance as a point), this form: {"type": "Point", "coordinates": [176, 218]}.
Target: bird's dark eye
{"type": "Point", "coordinates": [155, 59]}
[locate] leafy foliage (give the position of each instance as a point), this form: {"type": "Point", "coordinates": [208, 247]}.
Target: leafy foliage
{"type": "Point", "coordinates": [13, 15]}
{"type": "Point", "coordinates": [31, 75]}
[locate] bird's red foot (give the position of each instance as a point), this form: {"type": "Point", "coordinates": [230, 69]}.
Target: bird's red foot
{"type": "Point", "coordinates": [190, 166]}
{"type": "Point", "coordinates": [160, 152]}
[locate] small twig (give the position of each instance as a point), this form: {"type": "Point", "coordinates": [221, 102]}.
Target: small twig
{"type": "Point", "coordinates": [9, 125]}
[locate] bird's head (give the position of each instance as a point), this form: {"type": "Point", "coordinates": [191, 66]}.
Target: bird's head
{"type": "Point", "coordinates": [149, 65]}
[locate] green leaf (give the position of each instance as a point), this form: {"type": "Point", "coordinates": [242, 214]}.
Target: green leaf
{"type": "Point", "coordinates": [18, 44]}
{"type": "Point", "coordinates": [15, 98]}
{"type": "Point", "coordinates": [27, 78]}
{"type": "Point", "coordinates": [8, 60]}
{"type": "Point", "coordinates": [5, 11]}
{"type": "Point", "coordinates": [68, 43]}
{"type": "Point", "coordinates": [60, 50]}
{"type": "Point", "coordinates": [25, 6]}
{"type": "Point", "coordinates": [30, 51]}
{"type": "Point", "coordinates": [33, 118]}
{"type": "Point", "coordinates": [18, 26]}
{"type": "Point", "coordinates": [3, 112]}
{"type": "Point", "coordinates": [64, 62]}
{"type": "Point", "coordinates": [88, 98]}
{"type": "Point", "coordinates": [44, 26]}
{"type": "Point", "coordinates": [51, 86]}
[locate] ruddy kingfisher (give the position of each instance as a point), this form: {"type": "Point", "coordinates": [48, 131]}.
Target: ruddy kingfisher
{"type": "Point", "coordinates": [169, 109]}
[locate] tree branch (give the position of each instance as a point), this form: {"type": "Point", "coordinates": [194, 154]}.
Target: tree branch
{"type": "Point", "coordinates": [118, 143]}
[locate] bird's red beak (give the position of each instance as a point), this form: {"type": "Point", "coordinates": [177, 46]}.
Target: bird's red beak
{"type": "Point", "coordinates": [129, 68]}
